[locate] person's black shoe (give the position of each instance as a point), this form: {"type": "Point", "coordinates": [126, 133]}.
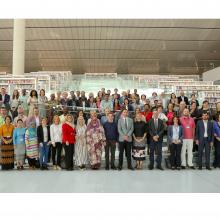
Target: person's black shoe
{"type": "Point", "coordinates": [106, 168]}
{"type": "Point", "coordinates": [178, 168]}
{"type": "Point", "coordinates": [151, 167]}
{"type": "Point", "coordinates": [130, 168]}
{"type": "Point", "coordinates": [172, 168]}
{"type": "Point", "coordinates": [160, 168]}
{"type": "Point", "coordinates": [208, 168]}
{"type": "Point", "coordinates": [119, 168]}
{"type": "Point", "coordinates": [41, 168]}
{"type": "Point", "coordinates": [183, 167]}
{"type": "Point", "coordinates": [192, 168]}
{"type": "Point", "coordinates": [45, 167]}
{"type": "Point", "coordinates": [200, 167]}
{"type": "Point", "coordinates": [113, 168]}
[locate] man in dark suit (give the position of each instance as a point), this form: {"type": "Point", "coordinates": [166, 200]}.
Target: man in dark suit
{"type": "Point", "coordinates": [204, 139]}
{"type": "Point", "coordinates": [5, 98]}
{"type": "Point", "coordinates": [156, 130]}
{"type": "Point", "coordinates": [183, 98]}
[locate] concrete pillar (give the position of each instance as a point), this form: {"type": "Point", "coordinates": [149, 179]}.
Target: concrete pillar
{"type": "Point", "coordinates": [18, 47]}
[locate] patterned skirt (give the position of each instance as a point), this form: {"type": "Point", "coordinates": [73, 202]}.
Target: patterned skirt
{"type": "Point", "coordinates": [32, 150]}
{"type": "Point", "coordinates": [7, 155]}
{"type": "Point", "coordinates": [138, 150]}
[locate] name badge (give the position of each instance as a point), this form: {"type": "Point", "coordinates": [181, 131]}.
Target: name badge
{"type": "Point", "coordinates": [188, 126]}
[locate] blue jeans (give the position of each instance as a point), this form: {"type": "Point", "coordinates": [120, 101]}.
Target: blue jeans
{"type": "Point", "coordinates": [44, 150]}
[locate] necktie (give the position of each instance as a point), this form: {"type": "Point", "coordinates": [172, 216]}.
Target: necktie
{"type": "Point", "coordinates": [155, 124]}
{"type": "Point", "coordinates": [126, 126]}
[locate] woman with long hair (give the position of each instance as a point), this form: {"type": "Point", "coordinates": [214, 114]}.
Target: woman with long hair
{"type": "Point", "coordinates": [32, 101]}
{"type": "Point", "coordinates": [23, 101]}
{"type": "Point", "coordinates": [42, 103]}
{"type": "Point", "coordinates": [116, 105]}
{"type": "Point", "coordinates": [7, 148]}
{"type": "Point", "coordinates": [56, 140]}
{"type": "Point", "coordinates": [174, 101]}
{"type": "Point", "coordinates": [98, 103]}
{"type": "Point", "coordinates": [170, 113]}
{"type": "Point", "coordinates": [139, 140]}
{"type": "Point", "coordinates": [14, 103]}
{"type": "Point", "coordinates": [81, 152]}
{"type": "Point", "coordinates": [138, 111]}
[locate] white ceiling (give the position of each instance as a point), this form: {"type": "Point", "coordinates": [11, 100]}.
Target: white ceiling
{"type": "Point", "coordinates": [116, 45]}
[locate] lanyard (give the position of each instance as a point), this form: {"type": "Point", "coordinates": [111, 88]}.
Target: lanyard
{"type": "Point", "coordinates": [187, 122]}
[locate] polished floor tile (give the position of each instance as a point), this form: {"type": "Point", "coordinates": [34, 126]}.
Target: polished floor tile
{"type": "Point", "coordinates": [124, 181]}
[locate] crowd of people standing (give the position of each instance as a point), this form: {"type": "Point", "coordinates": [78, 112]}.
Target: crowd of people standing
{"type": "Point", "coordinates": [73, 130]}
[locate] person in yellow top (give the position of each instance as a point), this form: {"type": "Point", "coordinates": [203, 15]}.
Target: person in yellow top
{"type": "Point", "coordinates": [7, 148]}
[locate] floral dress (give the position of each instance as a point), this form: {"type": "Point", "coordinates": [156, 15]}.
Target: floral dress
{"type": "Point", "coordinates": [81, 152]}
{"type": "Point", "coordinates": [95, 140]}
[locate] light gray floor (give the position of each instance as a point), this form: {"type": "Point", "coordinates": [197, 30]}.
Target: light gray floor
{"type": "Point", "coordinates": [110, 181]}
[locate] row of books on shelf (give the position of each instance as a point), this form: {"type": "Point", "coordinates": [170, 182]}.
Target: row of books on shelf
{"type": "Point", "coordinates": [196, 88]}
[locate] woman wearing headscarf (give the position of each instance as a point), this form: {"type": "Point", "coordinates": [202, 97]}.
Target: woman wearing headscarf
{"type": "Point", "coordinates": [32, 148]}
{"type": "Point", "coordinates": [95, 139]}
{"type": "Point", "coordinates": [81, 152]}
{"type": "Point", "coordinates": [7, 148]}
{"type": "Point", "coordinates": [19, 143]}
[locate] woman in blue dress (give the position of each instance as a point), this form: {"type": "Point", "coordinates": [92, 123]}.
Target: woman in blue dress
{"type": "Point", "coordinates": [19, 144]}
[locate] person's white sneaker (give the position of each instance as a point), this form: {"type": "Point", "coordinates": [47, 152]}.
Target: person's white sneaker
{"type": "Point", "coordinates": [54, 167]}
{"type": "Point", "coordinates": [59, 168]}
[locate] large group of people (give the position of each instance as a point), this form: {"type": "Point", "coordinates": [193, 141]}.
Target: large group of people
{"type": "Point", "coordinates": [72, 131]}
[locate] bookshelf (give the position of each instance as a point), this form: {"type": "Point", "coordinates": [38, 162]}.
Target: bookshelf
{"type": "Point", "coordinates": [212, 97]}
{"type": "Point", "coordinates": [11, 83]}
{"type": "Point", "coordinates": [203, 92]}
{"type": "Point", "coordinates": [55, 80]}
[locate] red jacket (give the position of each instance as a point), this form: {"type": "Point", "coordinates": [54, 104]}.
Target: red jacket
{"type": "Point", "coordinates": [148, 116]}
{"type": "Point", "coordinates": [68, 134]}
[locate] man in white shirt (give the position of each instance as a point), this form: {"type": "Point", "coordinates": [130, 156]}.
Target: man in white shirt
{"type": "Point", "coordinates": [20, 116]}
{"type": "Point", "coordinates": [106, 103]}
{"type": "Point", "coordinates": [161, 115]}
{"type": "Point", "coordinates": [36, 118]}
